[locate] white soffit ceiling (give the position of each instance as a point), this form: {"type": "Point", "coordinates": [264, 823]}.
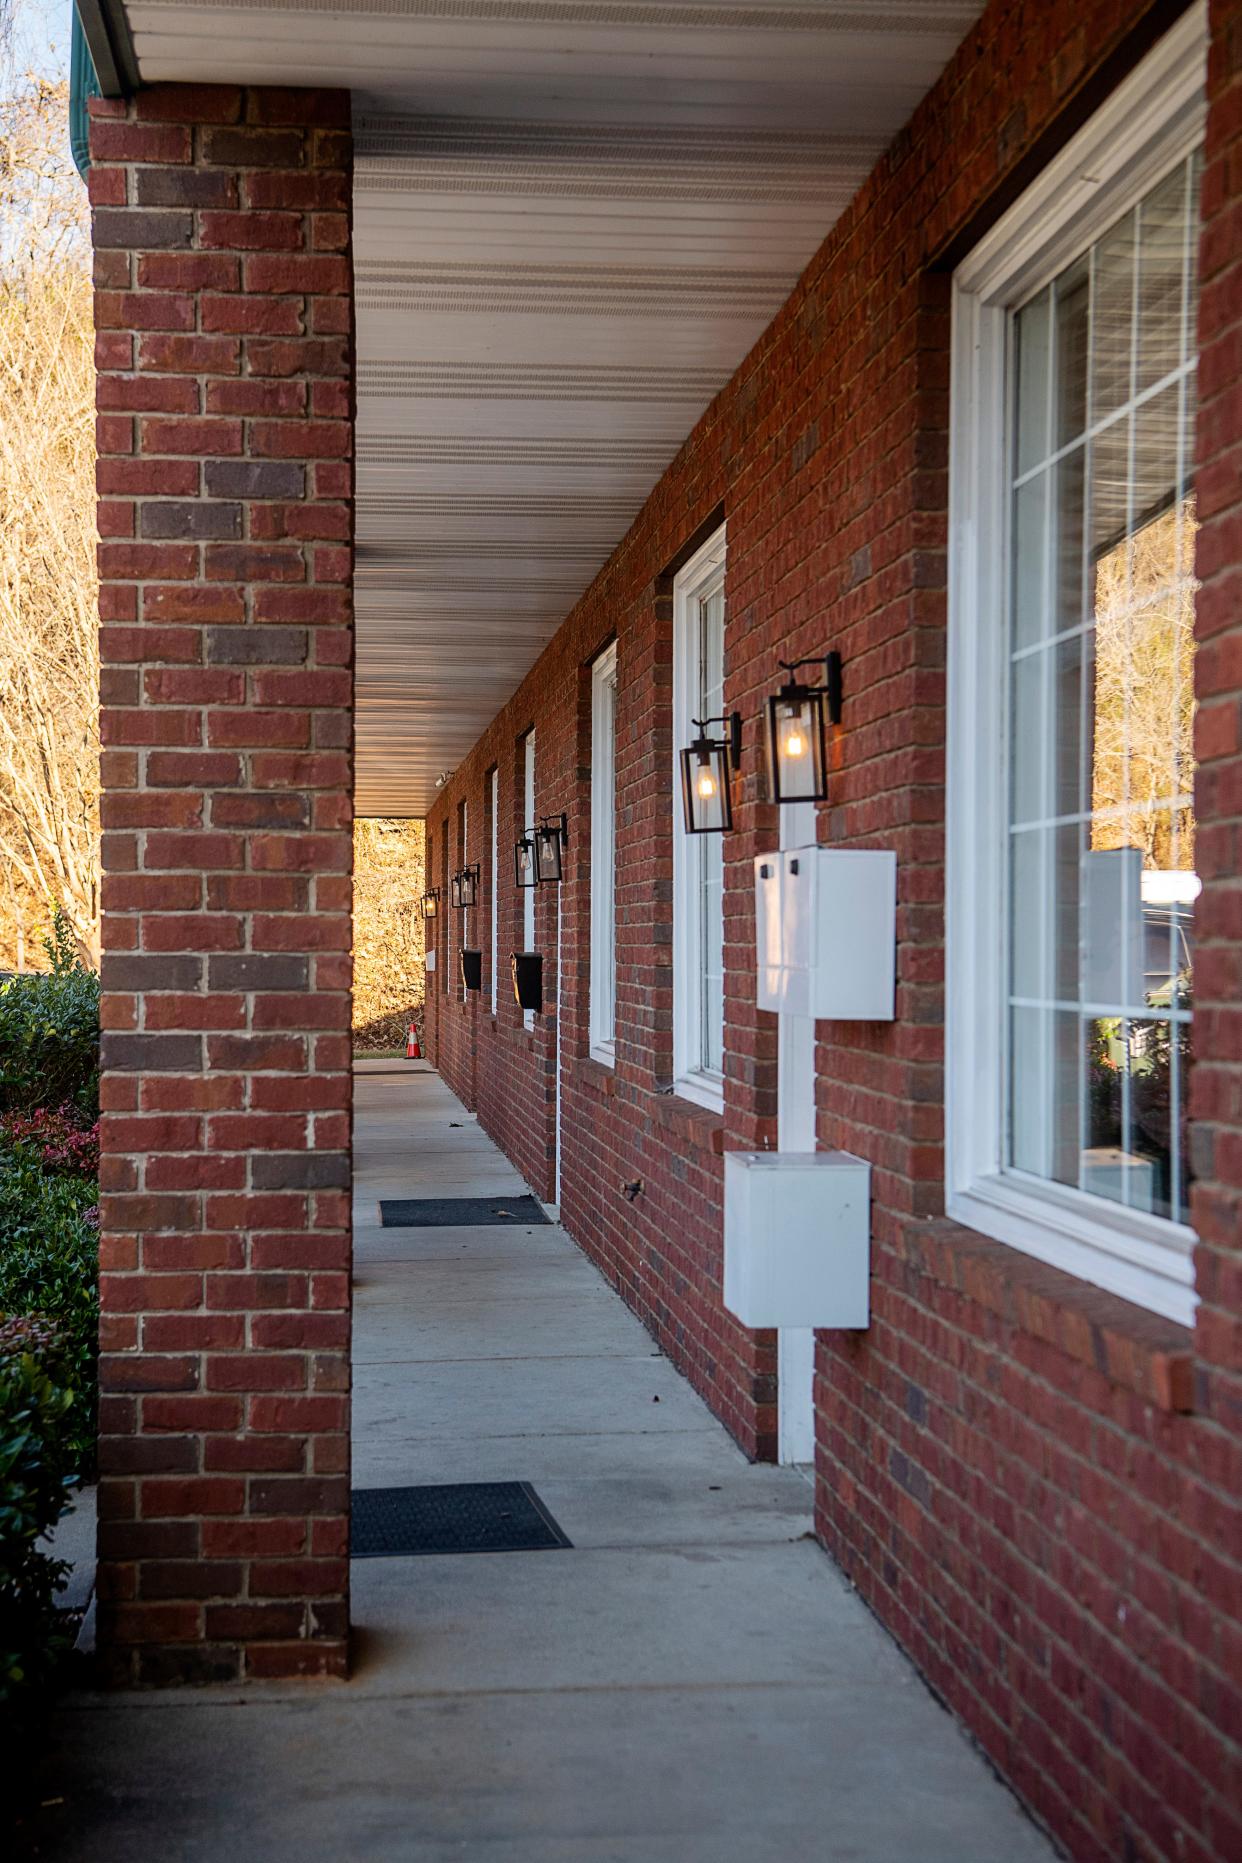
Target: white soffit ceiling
{"type": "Point", "coordinates": [573, 219]}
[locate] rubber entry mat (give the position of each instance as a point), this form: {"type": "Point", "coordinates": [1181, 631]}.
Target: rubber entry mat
{"type": "Point", "coordinates": [457, 1212]}
{"type": "Point", "coordinates": [454, 1517]}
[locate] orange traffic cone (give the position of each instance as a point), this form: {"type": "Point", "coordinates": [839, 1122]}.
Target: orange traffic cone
{"type": "Point", "coordinates": [412, 1050]}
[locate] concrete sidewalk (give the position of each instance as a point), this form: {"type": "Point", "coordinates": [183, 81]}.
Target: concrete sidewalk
{"type": "Point", "coordinates": [692, 1683]}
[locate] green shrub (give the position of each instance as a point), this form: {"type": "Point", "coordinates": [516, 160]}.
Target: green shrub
{"type": "Point", "coordinates": [36, 1471]}
{"type": "Point", "coordinates": [49, 1266]}
{"type": "Point", "coordinates": [49, 1033]}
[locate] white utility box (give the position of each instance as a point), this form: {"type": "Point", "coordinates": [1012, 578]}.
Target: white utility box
{"type": "Point", "coordinates": [797, 1238]}
{"type": "Point", "coordinates": [826, 933]}
{"type": "Point", "coordinates": [429, 959]}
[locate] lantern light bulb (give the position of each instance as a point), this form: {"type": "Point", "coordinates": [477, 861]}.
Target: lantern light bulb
{"type": "Point", "coordinates": [795, 743]}
{"type": "Point", "coordinates": [706, 783]}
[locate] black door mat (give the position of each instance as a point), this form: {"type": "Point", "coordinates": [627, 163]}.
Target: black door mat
{"type": "Point", "coordinates": [457, 1212]}
{"type": "Point", "coordinates": [454, 1517]}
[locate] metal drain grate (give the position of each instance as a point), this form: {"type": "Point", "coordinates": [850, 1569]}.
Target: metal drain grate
{"type": "Point", "coordinates": [458, 1212]}
{"type": "Point", "coordinates": [453, 1517]}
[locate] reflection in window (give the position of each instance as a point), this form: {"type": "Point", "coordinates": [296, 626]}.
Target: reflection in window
{"type": "Point", "coordinates": [1101, 709]}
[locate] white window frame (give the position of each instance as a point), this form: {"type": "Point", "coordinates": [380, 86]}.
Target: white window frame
{"type": "Point", "coordinates": [464, 938]}
{"type": "Point", "coordinates": [1152, 121]}
{"type": "Point", "coordinates": [603, 1006]}
{"type": "Point", "coordinates": [494, 896]}
{"type": "Point", "coordinates": [690, 1079]}
{"type": "Point", "coordinates": [528, 823]}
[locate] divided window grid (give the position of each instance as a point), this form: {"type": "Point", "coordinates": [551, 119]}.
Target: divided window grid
{"type": "Point", "coordinates": [603, 857]}
{"type": "Point", "coordinates": [1101, 875]}
{"type": "Point", "coordinates": [1071, 832]}
{"type": "Point", "coordinates": [493, 896]}
{"type": "Point", "coordinates": [698, 860]}
{"type": "Point", "coordinates": [528, 821]}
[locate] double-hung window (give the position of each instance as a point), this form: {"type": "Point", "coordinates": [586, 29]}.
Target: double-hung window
{"type": "Point", "coordinates": [463, 842]}
{"type": "Point", "coordinates": [698, 868]}
{"type": "Point", "coordinates": [1072, 878]}
{"type": "Point", "coordinates": [603, 856]}
{"type": "Point", "coordinates": [528, 827]}
{"type": "Point", "coordinates": [493, 888]}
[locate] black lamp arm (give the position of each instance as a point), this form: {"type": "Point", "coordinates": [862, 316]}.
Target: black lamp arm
{"type": "Point", "coordinates": [734, 722]}
{"type": "Point", "coordinates": [833, 679]}
{"type": "Point", "coordinates": [549, 821]}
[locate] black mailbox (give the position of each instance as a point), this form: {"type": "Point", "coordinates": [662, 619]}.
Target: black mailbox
{"type": "Point", "coordinates": [528, 979]}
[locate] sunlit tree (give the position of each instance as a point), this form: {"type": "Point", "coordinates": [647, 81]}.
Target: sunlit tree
{"type": "Point", "coordinates": [49, 792]}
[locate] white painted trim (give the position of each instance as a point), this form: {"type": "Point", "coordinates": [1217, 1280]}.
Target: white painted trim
{"type": "Point", "coordinates": [795, 1345]}
{"type": "Point", "coordinates": [560, 1059]}
{"type": "Point", "coordinates": [603, 1000]}
{"type": "Point", "coordinates": [528, 821]}
{"type": "Point", "coordinates": [1149, 124]}
{"type": "Point", "coordinates": [495, 890]}
{"type": "Point", "coordinates": [795, 1131]}
{"type": "Point", "coordinates": [695, 579]}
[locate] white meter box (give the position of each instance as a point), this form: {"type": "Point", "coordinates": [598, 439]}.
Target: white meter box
{"type": "Point", "coordinates": [797, 1238]}
{"type": "Point", "coordinates": [826, 933]}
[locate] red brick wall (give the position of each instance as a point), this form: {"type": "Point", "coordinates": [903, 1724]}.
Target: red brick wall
{"type": "Point", "coordinates": [1032, 1483]}
{"type": "Point", "coordinates": [224, 316]}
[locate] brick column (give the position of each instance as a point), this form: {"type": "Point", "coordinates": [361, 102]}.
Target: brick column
{"type": "Point", "coordinates": [1216, 1078]}
{"type": "Point", "coordinates": [224, 316]}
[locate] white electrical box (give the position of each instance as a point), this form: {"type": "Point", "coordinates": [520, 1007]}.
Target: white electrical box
{"type": "Point", "coordinates": [826, 933]}
{"type": "Point", "coordinates": [429, 959]}
{"type": "Point", "coordinates": [797, 1238]}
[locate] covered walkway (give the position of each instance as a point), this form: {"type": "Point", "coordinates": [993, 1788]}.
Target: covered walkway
{"type": "Point", "coordinates": [691, 1683]}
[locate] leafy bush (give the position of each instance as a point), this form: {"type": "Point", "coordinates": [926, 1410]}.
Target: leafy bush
{"type": "Point", "coordinates": [49, 1263]}
{"type": "Point", "coordinates": [49, 1033]}
{"type": "Point", "coordinates": [36, 1470]}
{"type": "Point", "coordinates": [59, 1138]}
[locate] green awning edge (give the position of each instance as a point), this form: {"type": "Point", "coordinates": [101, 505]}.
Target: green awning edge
{"type": "Point", "coordinates": [83, 85]}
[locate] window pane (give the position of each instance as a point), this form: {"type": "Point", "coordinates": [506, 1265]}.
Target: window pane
{"type": "Point", "coordinates": [1031, 333]}
{"type": "Point", "coordinates": [1101, 850]}
{"type": "Point", "coordinates": [1071, 297]}
{"type": "Point", "coordinates": [1112, 307]}
{"type": "Point", "coordinates": [1030, 523]}
{"type": "Point", "coordinates": [711, 701]}
{"type": "Point", "coordinates": [1109, 491]}
{"type": "Point", "coordinates": [1029, 789]}
{"type": "Point", "coordinates": [1163, 256]}
{"type": "Point", "coordinates": [1067, 540]}
{"type": "Point", "coordinates": [1045, 869]}
{"type": "Point", "coordinates": [1044, 1108]}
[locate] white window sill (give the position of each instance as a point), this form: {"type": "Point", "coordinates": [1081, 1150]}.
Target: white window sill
{"type": "Point", "coordinates": [702, 1089]}
{"type": "Point", "coordinates": [605, 1052]}
{"type": "Point", "coordinates": [1140, 1258]}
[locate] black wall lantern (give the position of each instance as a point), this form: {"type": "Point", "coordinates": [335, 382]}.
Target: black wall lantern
{"type": "Point", "coordinates": [706, 770]}
{"type": "Point", "coordinates": [431, 903]}
{"type": "Point", "coordinates": [551, 838]}
{"type": "Point", "coordinates": [464, 888]}
{"type": "Point", "coordinates": [524, 861]}
{"type": "Point", "coordinates": [797, 745]}
{"type": "Point", "coordinates": [528, 979]}
{"type": "Point", "coordinates": [471, 969]}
